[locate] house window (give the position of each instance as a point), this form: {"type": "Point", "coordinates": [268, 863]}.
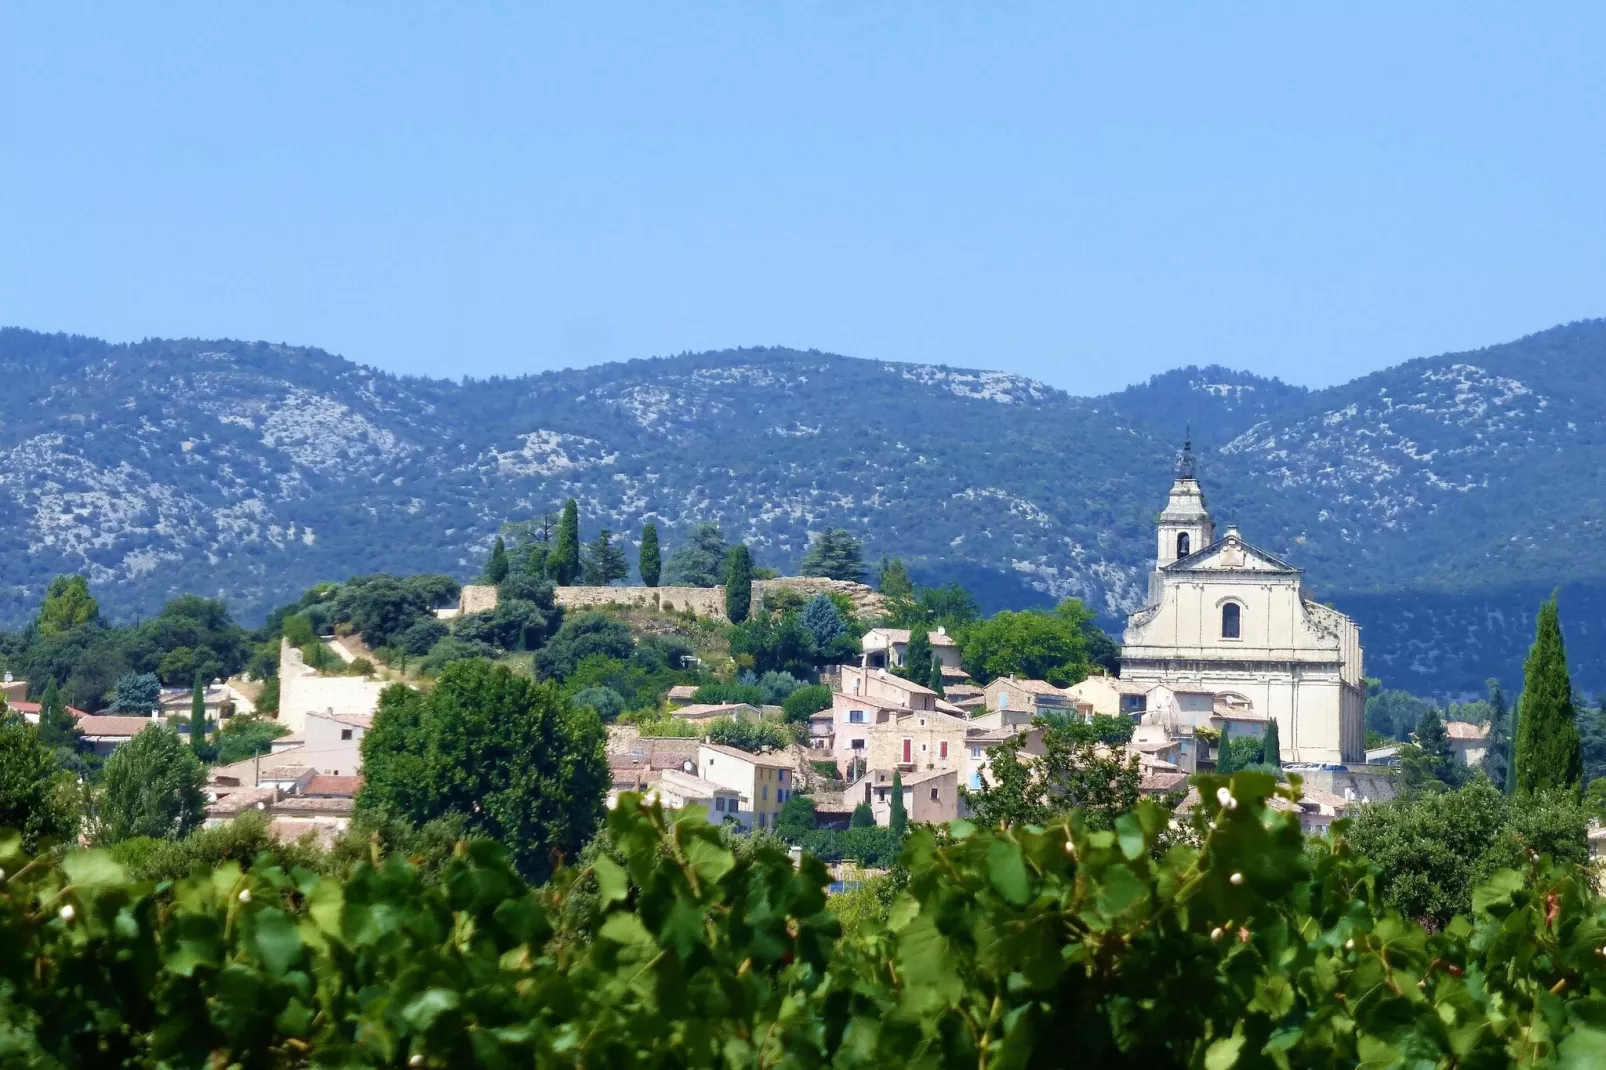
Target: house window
{"type": "Point", "coordinates": [1003, 700]}
{"type": "Point", "coordinates": [764, 793]}
{"type": "Point", "coordinates": [1230, 620]}
{"type": "Point", "coordinates": [1182, 545]}
{"type": "Point", "coordinates": [942, 750]}
{"type": "Point", "coordinates": [975, 781]}
{"type": "Point", "coordinates": [855, 717]}
{"type": "Point", "coordinates": [933, 794]}
{"type": "Point", "coordinates": [345, 733]}
{"type": "Point", "coordinates": [857, 744]}
{"type": "Point", "coordinates": [760, 820]}
{"type": "Point", "coordinates": [908, 751]}
{"type": "Point", "coordinates": [975, 752]}
{"type": "Point", "coordinates": [780, 774]}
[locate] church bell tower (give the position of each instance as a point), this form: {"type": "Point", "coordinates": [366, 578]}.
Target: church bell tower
{"type": "Point", "coordinates": [1184, 527]}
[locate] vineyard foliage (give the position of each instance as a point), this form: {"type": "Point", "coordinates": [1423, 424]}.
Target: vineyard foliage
{"type": "Point", "coordinates": [1225, 941]}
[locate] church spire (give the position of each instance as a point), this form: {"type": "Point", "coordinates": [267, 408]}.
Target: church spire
{"type": "Point", "coordinates": [1185, 462]}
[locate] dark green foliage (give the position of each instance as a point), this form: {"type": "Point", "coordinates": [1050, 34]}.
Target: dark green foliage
{"type": "Point", "coordinates": [604, 561]}
{"type": "Point", "coordinates": [867, 845]}
{"type": "Point", "coordinates": [892, 580]}
{"type": "Point", "coordinates": [803, 703]}
{"type": "Point", "coordinates": [1393, 713]}
{"type": "Point", "coordinates": [823, 621]}
{"type": "Point", "coordinates": [1435, 848]}
{"type": "Point", "coordinates": [834, 554]}
{"type": "Point", "coordinates": [451, 650]}
{"type": "Point", "coordinates": [1497, 757]}
{"type": "Point", "coordinates": [766, 642]}
{"type": "Point", "coordinates": [198, 718]}
{"type": "Point", "coordinates": [1430, 764]}
{"type": "Point", "coordinates": [919, 660]}
{"type": "Point", "coordinates": [650, 561]}
{"type": "Point", "coordinates": [863, 817]}
{"type": "Point", "coordinates": [1238, 752]}
{"type": "Point", "coordinates": [421, 635]}
{"type": "Point", "coordinates": [67, 605]}
{"type": "Point", "coordinates": [563, 563]}
{"type": "Point", "coordinates": [898, 819]}
{"type": "Point", "coordinates": [496, 565]}
{"type": "Point", "coordinates": [1548, 756]}
{"type": "Point", "coordinates": [581, 636]}
{"type": "Point", "coordinates": [137, 693]}
{"type": "Point", "coordinates": [517, 761]}
{"type": "Point", "coordinates": [739, 584]}
{"type": "Point", "coordinates": [1031, 644]}
{"type": "Point", "coordinates": [151, 786]}
{"type": "Point", "coordinates": [35, 799]}
{"type": "Point", "coordinates": [723, 694]}
{"type": "Point", "coordinates": [1271, 752]}
{"type": "Point", "coordinates": [385, 609]}
{"type": "Point", "coordinates": [607, 702]}
{"type": "Point", "coordinates": [796, 818]}
{"type": "Point", "coordinates": [245, 737]}
{"type": "Point", "coordinates": [55, 723]}
{"type": "Point", "coordinates": [747, 734]}
{"type": "Point", "coordinates": [700, 561]}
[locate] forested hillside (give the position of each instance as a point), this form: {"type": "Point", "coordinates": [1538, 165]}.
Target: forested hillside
{"type": "Point", "coordinates": [1435, 500]}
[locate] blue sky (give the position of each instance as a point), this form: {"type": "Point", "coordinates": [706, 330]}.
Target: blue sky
{"type": "Point", "coordinates": [1086, 194]}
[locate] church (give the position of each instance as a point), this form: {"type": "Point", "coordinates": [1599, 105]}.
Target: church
{"type": "Point", "coordinates": [1229, 620]}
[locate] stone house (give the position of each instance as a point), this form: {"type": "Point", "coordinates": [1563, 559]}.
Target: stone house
{"type": "Point", "coordinates": [762, 782]}
{"type": "Point", "coordinates": [1010, 702]}
{"type": "Point", "coordinates": [887, 648]}
{"type": "Point", "coordinates": [979, 743]}
{"type": "Point", "coordinates": [103, 733]}
{"type": "Point", "coordinates": [676, 790]}
{"type": "Point", "coordinates": [1469, 741]}
{"type": "Point", "coordinates": [917, 741]}
{"type": "Point", "coordinates": [930, 797]}
{"type": "Point", "coordinates": [881, 685]}
{"type": "Point", "coordinates": [1111, 696]}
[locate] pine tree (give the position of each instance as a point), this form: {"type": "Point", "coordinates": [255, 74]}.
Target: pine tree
{"type": "Point", "coordinates": [604, 562]}
{"type": "Point", "coordinates": [892, 580]}
{"type": "Point", "coordinates": [1548, 753]}
{"type": "Point", "coordinates": [834, 554]}
{"type": "Point", "coordinates": [936, 677]}
{"type": "Point", "coordinates": [651, 562]}
{"type": "Point", "coordinates": [1271, 747]}
{"type": "Point", "coordinates": [1497, 752]}
{"type": "Point", "coordinates": [739, 584]}
{"type": "Point", "coordinates": [563, 564]}
{"type": "Point", "coordinates": [917, 655]}
{"type": "Point", "coordinates": [496, 566]}
{"type": "Point", "coordinates": [55, 725]}
{"type": "Point", "coordinates": [198, 709]}
{"type": "Point", "coordinates": [898, 820]}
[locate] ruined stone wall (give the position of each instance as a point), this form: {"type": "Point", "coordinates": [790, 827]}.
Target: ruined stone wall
{"type": "Point", "coordinates": [704, 601]}
{"type": "Point", "coordinates": [477, 598]}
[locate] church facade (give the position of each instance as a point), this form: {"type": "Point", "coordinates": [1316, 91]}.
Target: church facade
{"type": "Point", "coordinates": [1228, 619]}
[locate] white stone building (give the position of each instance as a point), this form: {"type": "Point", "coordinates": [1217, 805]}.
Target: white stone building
{"type": "Point", "coordinates": [1228, 618]}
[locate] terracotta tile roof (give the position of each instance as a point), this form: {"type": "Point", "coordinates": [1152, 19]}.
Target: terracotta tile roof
{"type": "Point", "coordinates": [237, 802]}
{"type": "Point", "coordinates": [95, 724]}
{"type": "Point", "coordinates": [1466, 730]}
{"type": "Point", "coordinates": [323, 784]}
{"type": "Point", "coordinates": [1162, 783]}
{"type": "Point", "coordinates": [901, 635]}
{"type": "Point", "coordinates": [1035, 687]}
{"type": "Point", "coordinates": [300, 804]}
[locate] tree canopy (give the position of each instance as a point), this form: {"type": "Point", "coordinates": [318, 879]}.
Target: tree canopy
{"type": "Point", "coordinates": [699, 562]}
{"type": "Point", "coordinates": [834, 554]}
{"type": "Point", "coordinates": [1548, 745]}
{"type": "Point", "coordinates": [152, 786]}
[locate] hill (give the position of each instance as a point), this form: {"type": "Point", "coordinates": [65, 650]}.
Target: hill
{"type": "Point", "coordinates": [1435, 500]}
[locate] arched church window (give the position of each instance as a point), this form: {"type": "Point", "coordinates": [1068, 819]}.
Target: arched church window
{"type": "Point", "coordinates": [1182, 545]}
{"type": "Point", "coordinates": [1230, 620]}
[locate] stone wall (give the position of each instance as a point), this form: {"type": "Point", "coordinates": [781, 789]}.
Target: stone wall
{"type": "Point", "coordinates": [710, 601]}
{"type": "Point", "coordinates": [477, 598]}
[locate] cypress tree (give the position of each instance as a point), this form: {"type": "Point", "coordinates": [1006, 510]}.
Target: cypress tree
{"type": "Point", "coordinates": [55, 726]}
{"type": "Point", "coordinates": [739, 584]}
{"type": "Point", "coordinates": [651, 562]}
{"type": "Point", "coordinates": [496, 566]}
{"type": "Point", "coordinates": [1271, 747]}
{"type": "Point", "coordinates": [1549, 755]}
{"type": "Point", "coordinates": [1497, 754]}
{"type": "Point", "coordinates": [563, 564]}
{"type": "Point", "coordinates": [898, 820]}
{"type": "Point", "coordinates": [917, 655]}
{"type": "Point", "coordinates": [198, 711]}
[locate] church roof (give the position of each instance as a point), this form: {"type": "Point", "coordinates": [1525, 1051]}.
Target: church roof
{"type": "Point", "coordinates": [1198, 557]}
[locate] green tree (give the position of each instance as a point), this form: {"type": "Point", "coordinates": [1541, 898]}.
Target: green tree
{"type": "Point", "coordinates": [1595, 799]}
{"type": "Point", "coordinates": [245, 737]}
{"type": "Point", "coordinates": [863, 817]}
{"type": "Point", "coordinates": [918, 656]}
{"type": "Point", "coordinates": [803, 703]}
{"type": "Point", "coordinates": [898, 819]}
{"type": "Point", "coordinates": [35, 799]}
{"type": "Point", "coordinates": [700, 561]}
{"type": "Point", "coordinates": [496, 566]}
{"type": "Point", "coordinates": [137, 693]}
{"type": "Point", "coordinates": [563, 563]}
{"type": "Point", "coordinates": [1548, 753]}
{"type": "Point", "coordinates": [739, 584]}
{"type": "Point", "coordinates": [198, 717]}
{"type": "Point", "coordinates": [650, 562]}
{"type": "Point", "coordinates": [892, 580]}
{"type": "Point", "coordinates": [1429, 763]}
{"type": "Point", "coordinates": [834, 554]}
{"type": "Point", "coordinates": [1030, 644]}
{"type": "Point", "coordinates": [67, 605]}
{"type": "Point", "coordinates": [604, 561]}
{"type": "Point", "coordinates": [1271, 748]}
{"type": "Point", "coordinates": [1497, 757]}
{"type": "Point", "coordinates": [151, 786]}
{"type": "Point", "coordinates": [796, 817]}
{"type": "Point", "coordinates": [515, 759]}
{"type": "Point", "coordinates": [55, 723]}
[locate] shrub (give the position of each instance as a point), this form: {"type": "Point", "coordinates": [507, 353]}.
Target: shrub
{"type": "Point", "coordinates": [805, 702]}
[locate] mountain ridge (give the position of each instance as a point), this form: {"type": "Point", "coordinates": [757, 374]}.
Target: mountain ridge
{"type": "Point", "coordinates": [249, 470]}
